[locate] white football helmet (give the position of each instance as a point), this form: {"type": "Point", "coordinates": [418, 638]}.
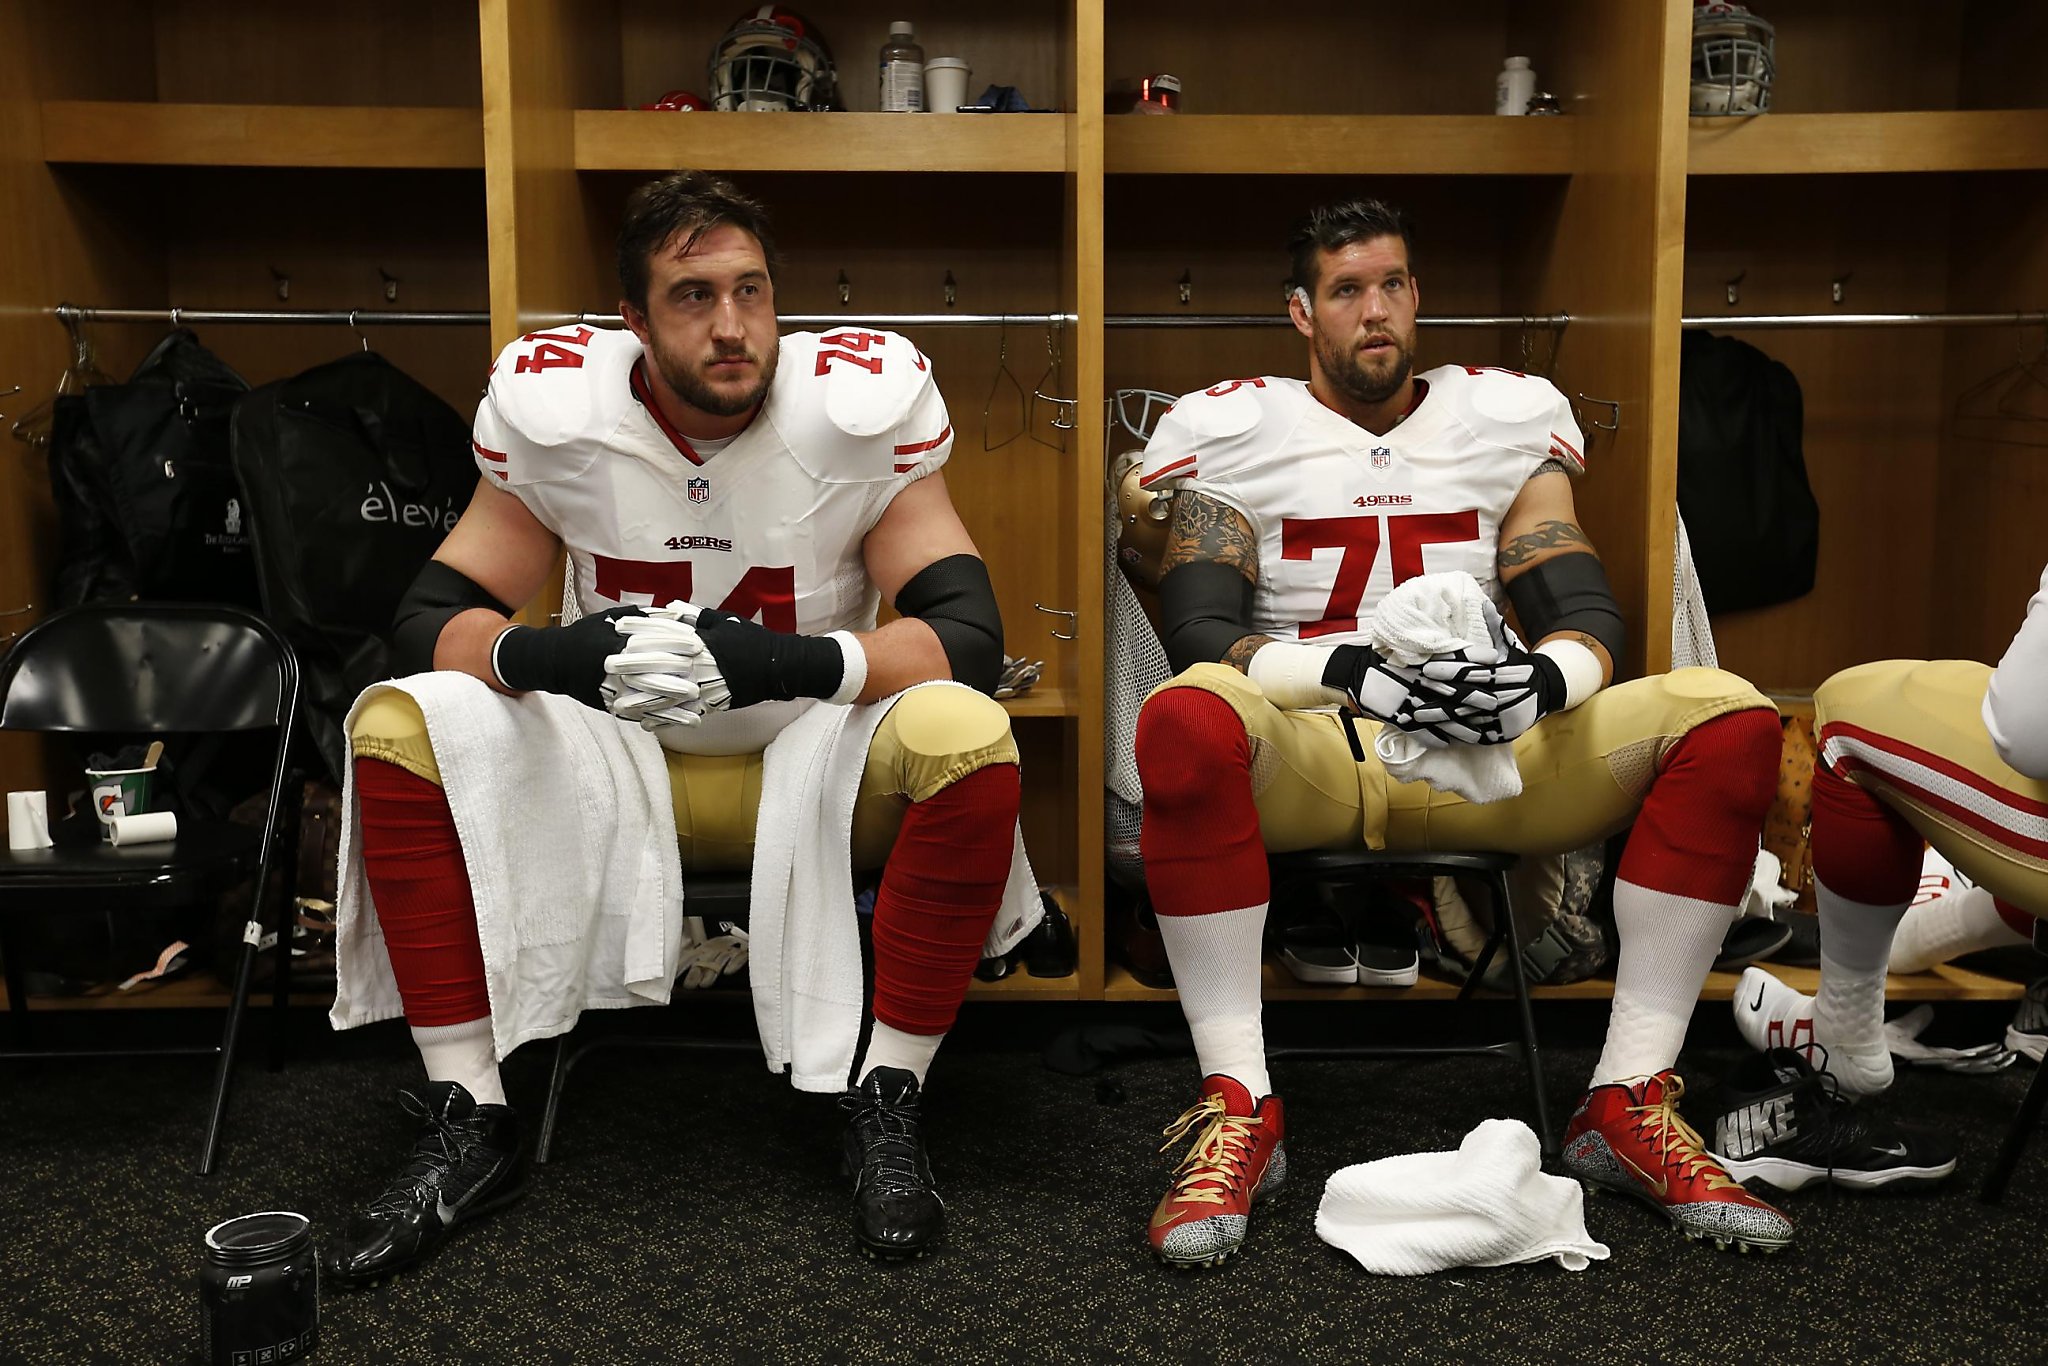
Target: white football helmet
{"type": "Point", "coordinates": [772, 60]}
{"type": "Point", "coordinates": [1732, 60]}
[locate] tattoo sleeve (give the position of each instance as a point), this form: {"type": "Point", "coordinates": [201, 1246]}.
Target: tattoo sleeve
{"type": "Point", "coordinates": [1204, 529]}
{"type": "Point", "coordinates": [1239, 656]}
{"type": "Point", "coordinates": [1550, 467]}
{"type": "Point", "coordinates": [1548, 536]}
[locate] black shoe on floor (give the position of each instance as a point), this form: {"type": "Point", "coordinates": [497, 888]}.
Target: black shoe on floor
{"type": "Point", "coordinates": [896, 1213]}
{"type": "Point", "coordinates": [1780, 1122]}
{"type": "Point", "coordinates": [464, 1163]}
{"type": "Point", "coordinates": [1388, 950]}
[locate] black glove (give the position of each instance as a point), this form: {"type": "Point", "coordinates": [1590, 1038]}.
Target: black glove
{"type": "Point", "coordinates": [1487, 704]}
{"type": "Point", "coordinates": [761, 665]}
{"type": "Point", "coordinates": [1368, 682]}
{"type": "Point", "coordinates": [564, 659]}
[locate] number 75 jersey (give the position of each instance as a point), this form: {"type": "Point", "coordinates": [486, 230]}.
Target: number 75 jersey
{"type": "Point", "coordinates": [1342, 515]}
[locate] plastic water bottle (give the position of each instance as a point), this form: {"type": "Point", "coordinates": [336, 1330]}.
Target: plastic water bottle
{"type": "Point", "coordinates": [1513, 87]}
{"type": "Point", "coordinates": [902, 71]}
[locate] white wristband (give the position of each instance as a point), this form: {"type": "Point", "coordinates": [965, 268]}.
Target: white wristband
{"type": "Point", "coordinates": [853, 674]}
{"type": "Point", "coordinates": [1580, 667]}
{"type": "Point", "coordinates": [1291, 675]}
{"type": "Point", "coordinates": [496, 641]}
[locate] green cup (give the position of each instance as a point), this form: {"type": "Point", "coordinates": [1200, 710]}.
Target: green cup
{"type": "Point", "coordinates": [119, 792]}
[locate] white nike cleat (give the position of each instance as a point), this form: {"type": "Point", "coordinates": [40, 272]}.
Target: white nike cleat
{"type": "Point", "coordinates": [1770, 1015]}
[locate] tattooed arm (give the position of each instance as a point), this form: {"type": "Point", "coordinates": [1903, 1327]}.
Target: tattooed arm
{"type": "Point", "coordinates": [1208, 612]}
{"type": "Point", "coordinates": [1543, 525]}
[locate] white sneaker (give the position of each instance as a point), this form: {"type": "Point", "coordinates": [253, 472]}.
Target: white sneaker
{"type": "Point", "coordinates": [2027, 1035]}
{"type": "Point", "coordinates": [1770, 1015]}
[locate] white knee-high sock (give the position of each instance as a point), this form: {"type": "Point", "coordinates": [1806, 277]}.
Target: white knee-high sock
{"type": "Point", "coordinates": [1217, 966]}
{"type": "Point", "coordinates": [1668, 945]}
{"type": "Point", "coordinates": [1962, 920]}
{"type": "Point", "coordinates": [1848, 1010]}
{"type": "Point", "coordinates": [462, 1053]}
{"type": "Point", "coordinates": [891, 1047]}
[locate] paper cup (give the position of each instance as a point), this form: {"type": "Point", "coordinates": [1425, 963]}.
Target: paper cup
{"type": "Point", "coordinates": [28, 820]}
{"type": "Point", "coordinates": [945, 84]}
{"type": "Point", "coordinates": [119, 792]}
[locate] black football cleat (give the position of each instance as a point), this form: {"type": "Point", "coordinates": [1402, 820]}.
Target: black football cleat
{"type": "Point", "coordinates": [896, 1213]}
{"type": "Point", "coordinates": [464, 1163]}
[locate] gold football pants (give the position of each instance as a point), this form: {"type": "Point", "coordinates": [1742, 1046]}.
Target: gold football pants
{"type": "Point", "coordinates": [931, 738]}
{"type": "Point", "coordinates": [1911, 732]}
{"type": "Point", "coordinates": [1584, 771]}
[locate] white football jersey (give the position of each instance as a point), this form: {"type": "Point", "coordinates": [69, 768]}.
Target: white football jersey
{"type": "Point", "coordinates": [770, 528]}
{"type": "Point", "coordinates": [1342, 515]}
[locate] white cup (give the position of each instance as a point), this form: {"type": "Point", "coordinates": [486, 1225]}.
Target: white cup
{"type": "Point", "coordinates": [28, 820]}
{"type": "Point", "coordinates": [945, 84]}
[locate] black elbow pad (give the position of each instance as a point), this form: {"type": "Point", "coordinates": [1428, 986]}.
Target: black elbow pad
{"type": "Point", "coordinates": [955, 598]}
{"type": "Point", "coordinates": [437, 596]}
{"type": "Point", "coordinates": [1204, 609]}
{"type": "Point", "coordinates": [1569, 593]}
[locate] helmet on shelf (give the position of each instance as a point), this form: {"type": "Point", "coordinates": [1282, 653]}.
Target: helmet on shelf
{"type": "Point", "coordinates": [772, 59]}
{"type": "Point", "coordinates": [1732, 60]}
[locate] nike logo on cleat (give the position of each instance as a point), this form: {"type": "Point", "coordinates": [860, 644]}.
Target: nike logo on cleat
{"type": "Point", "coordinates": [1895, 1150]}
{"type": "Point", "coordinates": [1658, 1184]}
{"type": "Point", "coordinates": [1758, 1003]}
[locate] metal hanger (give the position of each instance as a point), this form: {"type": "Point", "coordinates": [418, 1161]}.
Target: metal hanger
{"type": "Point", "coordinates": [82, 372]}
{"type": "Point", "coordinates": [2014, 396]}
{"type": "Point", "coordinates": [358, 331]}
{"type": "Point", "coordinates": [1063, 409]}
{"type": "Point", "coordinates": [989, 441]}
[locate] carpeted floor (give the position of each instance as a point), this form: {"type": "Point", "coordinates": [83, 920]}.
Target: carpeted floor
{"type": "Point", "coordinates": [694, 1212]}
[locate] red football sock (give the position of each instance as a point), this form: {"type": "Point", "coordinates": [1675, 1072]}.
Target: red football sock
{"type": "Point", "coordinates": [1200, 838]}
{"type": "Point", "coordinates": [940, 894]}
{"type": "Point", "coordinates": [413, 861]}
{"type": "Point", "coordinates": [1862, 849]}
{"type": "Point", "coordinates": [1696, 835]}
{"type": "Point", "coordinates": [2018, 921]}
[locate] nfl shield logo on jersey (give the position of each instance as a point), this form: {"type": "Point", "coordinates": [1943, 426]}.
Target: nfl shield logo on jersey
{"type": "Point", "coordinates": [700, 490]}
{"type": "Point", "coordinates": [1382, 457]}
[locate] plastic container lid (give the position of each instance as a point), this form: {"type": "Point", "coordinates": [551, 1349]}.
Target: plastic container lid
{"type": "Point", "coordinates": [255, 1238]}
{"type": "Point", "coordinates": [903, 27]}
{"type": "Point", "coordinates": [1518, 64]}
{"type": "Point", "coordinates": [946, 64]}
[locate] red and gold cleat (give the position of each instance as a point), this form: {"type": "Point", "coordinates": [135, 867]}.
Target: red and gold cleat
{"type": "Point", "coordinates": [1237, 1157]}
{"type": "Point", "coordinates": [1629, 1138]}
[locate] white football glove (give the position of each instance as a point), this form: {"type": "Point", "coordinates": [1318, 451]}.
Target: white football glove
{"type": "Point", "coordinates": [706, 959]}
{"type": "Point", "coordinates": [665, 676]}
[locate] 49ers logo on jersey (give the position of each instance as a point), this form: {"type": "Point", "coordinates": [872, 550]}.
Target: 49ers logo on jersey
{"type": "Point", "coordinates": [764, 591]}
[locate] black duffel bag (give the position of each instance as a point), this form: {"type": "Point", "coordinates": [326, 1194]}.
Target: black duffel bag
{"type": "Point", "coordinates": [355, 472]}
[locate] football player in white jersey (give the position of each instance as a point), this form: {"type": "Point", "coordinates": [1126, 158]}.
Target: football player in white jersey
{"type": "Point", "coordinates": [783, 485]}
{"type": "Point", "coordinates": [1299, 506]}
{"type": "Point", "coordinates": [1951, 751]}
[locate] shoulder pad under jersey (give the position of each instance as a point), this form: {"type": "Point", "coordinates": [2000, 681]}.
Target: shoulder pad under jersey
{"type": "Point", "coordinates": [558, 394]}
{"type": "Point", "coordinates": [1515, 411]}
{"type": "Point", "coordinates": [842, 399]}
{"type": "Point", "coordinates": [1210, 431]}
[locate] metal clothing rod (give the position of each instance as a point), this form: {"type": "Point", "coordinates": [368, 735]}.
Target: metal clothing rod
{"type": "Point", "coordinates": [1736, 321]}
{"type": "Point", "coordinates": [337, 317]}
{"type": "Point", "coordinates": [1539, 321]}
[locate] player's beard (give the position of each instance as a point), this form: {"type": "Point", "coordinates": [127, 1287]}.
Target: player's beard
{"type": "Point", "coordinates": [1343, 366]}
{"type": "Point", "coordinates": [690, 386]}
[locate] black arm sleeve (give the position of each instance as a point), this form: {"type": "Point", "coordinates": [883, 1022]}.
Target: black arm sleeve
{"type": "Point", "coordinates": [1569, 593]}
{"type": "Point", "coordinates": [437, 597]}
{"type": "Point", "coordinates": [954, 597]}
{"type": "Point", "coordinates": [1205, 608]}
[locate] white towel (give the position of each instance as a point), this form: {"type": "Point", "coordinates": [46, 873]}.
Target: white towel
{"type": "Point", "coordinates": [570, 842]}
{"type": "Point", "coordinates": [1487, 1204]}
{"type": "Point", "coordinates": [804, 955]}
{"type": "Point", "coordinates": [1427, 617]}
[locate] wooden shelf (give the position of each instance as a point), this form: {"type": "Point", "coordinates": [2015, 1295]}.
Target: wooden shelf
{"type": "Point", "coordinates": [1043, 701]}
{"type": "Point", "coordinates": [655, 140]}
{"type": "Point", "coordinates": [1337, 144]}
{"type": "Point", "coordinates": [336, 136]}
{"type": "Point", "coordinates": [200, 990]}
{"type": "Point", "coordinates": [1945, 983]}
{"type": "Point", "coordinates": [1022, 986]}
{"type": "Point", "coordinates": [1822, 144]}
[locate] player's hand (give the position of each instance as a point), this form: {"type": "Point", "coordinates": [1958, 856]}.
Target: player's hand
{"type": "Point", "coordinates": [760, 665]}
{"type": "Point", "coordinates": [665, 676]}
{"type": "Point", "coordinates": [1491, 703]}
{"type": "Point", "coordinates": [569, 660]}
{"type": "Point", "coordinates": [1370, 685]}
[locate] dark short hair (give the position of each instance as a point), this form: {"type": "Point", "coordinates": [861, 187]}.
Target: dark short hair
{"type": "Point", "coordinates": [687, 204]}
{"type": "Point", "coordinates": [1332, 227]}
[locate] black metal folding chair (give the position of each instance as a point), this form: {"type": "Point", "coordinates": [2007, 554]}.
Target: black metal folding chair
{"type": "Point", "coordinates": [1355, 867]}
{"type": "Point", "coordinates": [156, 669]}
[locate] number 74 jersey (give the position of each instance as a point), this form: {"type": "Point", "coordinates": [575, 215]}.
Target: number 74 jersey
{"type": "Point", "coordinates": [1342, 515]}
